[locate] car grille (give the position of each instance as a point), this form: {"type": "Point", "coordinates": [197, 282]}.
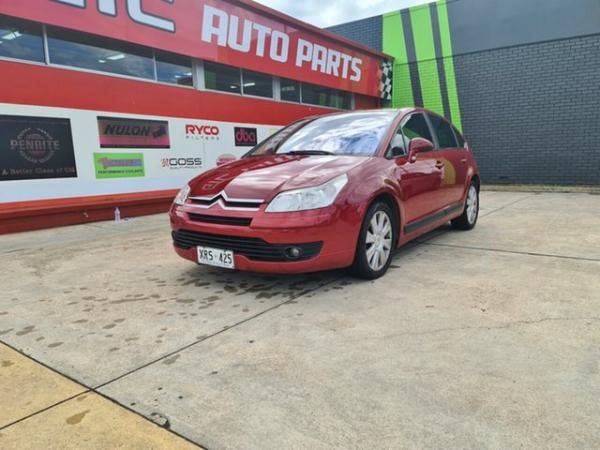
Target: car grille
{"type": "Point", "coordinates": [238, 221]}
{"type": "Point", "coordinates": [252, 248]}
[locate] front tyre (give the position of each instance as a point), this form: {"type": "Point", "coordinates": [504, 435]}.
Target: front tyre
{"type": "Point", "coordinates": [375, 243]}
{"type": "Point", "coordinates": [468, 219]}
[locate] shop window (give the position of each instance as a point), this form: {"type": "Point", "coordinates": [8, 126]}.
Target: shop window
{"type": "Point", "coordinates": [257, 84]}
{"type": "Point", "coordinates": [289, 90]}
{"type": "Point", "coordinates": [222, 78]}
{"type": "Point", "coordinates": [20, 39]}
{"type": "Point", "coordinates": [174, 69]}
{"type": "Point", "coordinates": [74, 49]}
{"type": "Point", "coordinates": [327, 97]}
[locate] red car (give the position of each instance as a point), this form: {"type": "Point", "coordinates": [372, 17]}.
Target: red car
{"type": "Point", "coordinates": [334, 191]}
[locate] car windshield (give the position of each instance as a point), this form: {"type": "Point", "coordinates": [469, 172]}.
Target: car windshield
{"type": "Point", "coordinates": [358, 134]}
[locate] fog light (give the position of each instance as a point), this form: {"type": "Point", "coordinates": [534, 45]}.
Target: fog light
{"type": "Point", "coordinates": [293, 252]}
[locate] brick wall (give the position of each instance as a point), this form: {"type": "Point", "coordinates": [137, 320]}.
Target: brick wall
{"type": "Point", "coordinates": [532, 112]}
{"type": "Point", "coordinates": [366, 31]}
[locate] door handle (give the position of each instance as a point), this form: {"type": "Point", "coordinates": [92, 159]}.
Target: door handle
{"type": "Point", "coordinates": [439, 165]}
{"type": "Point", "coordinates": [464, 160]}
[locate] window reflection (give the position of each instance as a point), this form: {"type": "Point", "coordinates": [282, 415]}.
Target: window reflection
{"type": "Point", "coordinates": [324, 96]}
{"type": "Point", "coordinates": [257, 84]}
{"type": "Point", "coordinates": [74, 49]}
{"type": "Point", "coordinates": [222, 78]}
{"type": "Point", "coordinates": [289, 90]}
{"type": "Point", "coordinates": [21, 39]}
{"type": "Point", "coordinates": [174, 69]}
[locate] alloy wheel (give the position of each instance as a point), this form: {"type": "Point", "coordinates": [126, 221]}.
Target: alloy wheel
{"type": "Point", "coordinates": [379, 240]}
{"type": "Point", "coordinates": [472, 205]}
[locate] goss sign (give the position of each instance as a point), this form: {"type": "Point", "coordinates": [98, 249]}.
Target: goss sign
{"type": "Point", "coordinates": [246, 34]}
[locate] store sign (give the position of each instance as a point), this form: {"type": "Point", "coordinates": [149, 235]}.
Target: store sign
{"type": "Point", "coordinates": [119, 165]}
{"type": "Point", "coordinates": [202, 131]}
{"type": "Point", "coordinates": [181, 163]}
{"type": "Point", "coordinates": [35, 148]}
{"type": "Point", "coordinates": [233, 33]}
{"type": "Point", "coordinates": [245, 137]}
{"type": "Point", "coordinates": [133, 133]}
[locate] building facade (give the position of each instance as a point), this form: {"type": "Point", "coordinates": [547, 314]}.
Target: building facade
{"type": "Point", "coordinates": [521, 79]}
{"type": "Point", "coordinates": [118, 103]}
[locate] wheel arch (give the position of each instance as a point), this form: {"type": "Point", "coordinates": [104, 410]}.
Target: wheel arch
{"type": "Point", "coordinates": [389, 199]}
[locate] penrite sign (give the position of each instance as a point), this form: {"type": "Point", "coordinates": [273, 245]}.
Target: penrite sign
{"type": "Point", "coordinates": [36, 147]}
{"type": "Point", "coordinates": [237, 33]}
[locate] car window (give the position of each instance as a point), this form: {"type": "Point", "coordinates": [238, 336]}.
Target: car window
{"type": "Point", "coordinates": [443, 131]}
{"type": "Point", "coordinates": [459, 137]}
{"type": "Point", "coordinates": [357, 133]}
{"type": "Point", "coordinates": [398, 145]}
{"type": "Point", "coordinates": [416, 127]}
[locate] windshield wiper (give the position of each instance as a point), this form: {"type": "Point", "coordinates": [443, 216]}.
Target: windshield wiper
{"type": "Point", "coordinates": [309, 152]}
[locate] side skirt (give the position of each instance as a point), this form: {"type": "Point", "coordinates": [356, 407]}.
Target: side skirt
{"type": "Point", "coordinates": [427, 220]}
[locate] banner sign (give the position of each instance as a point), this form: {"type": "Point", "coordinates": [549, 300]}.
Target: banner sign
{"type": "Point", "coordinates": [119, 165]}
{"type": "Point", "coordinates": [245, 137]}
{"type": "Point", "coordinates": [236, 33]}
{"type": "Point", "coordinates": [133, 133]}
{"type": "Point", "coordinates": [35, 148]}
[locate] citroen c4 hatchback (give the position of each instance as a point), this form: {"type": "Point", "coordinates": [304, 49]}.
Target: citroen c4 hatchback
{"type": "Point", "coordinates": [342, 190]}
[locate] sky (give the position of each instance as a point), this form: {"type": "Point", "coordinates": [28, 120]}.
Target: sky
{"type": "Point", "coordinates": [324, 13]}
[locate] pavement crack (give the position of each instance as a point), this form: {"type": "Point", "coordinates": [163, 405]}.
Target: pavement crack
{"type": "Point", "coordinates": [515, 252]}
{"type": "Point", "coordinates": [503, 326]}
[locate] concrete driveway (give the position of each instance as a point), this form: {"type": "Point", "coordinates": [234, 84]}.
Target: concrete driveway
{"type": "Point", "coordinates": [480, 339]}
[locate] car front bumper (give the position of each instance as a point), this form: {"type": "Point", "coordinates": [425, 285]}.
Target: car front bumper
{"type": "Point", "coordinates": [327, 237]}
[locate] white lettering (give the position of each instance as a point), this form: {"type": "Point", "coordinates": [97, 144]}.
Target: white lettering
{"type": "Point", "coordinates": [280, 45]}
{"type": "Point", "coordinates": [346, 59]}
{"type": "Point", "coordinates": [78, 3]}
{"type": "Point", "coordinates": [319, 59]}
{"type": "Point", "coordinates": [333, 63]}
{"type": "Point", "coordinates": [356, 76]}
{"type": "Point", "coordinates": [209, 28]}
{"type": "Point", "coordinates": [261, 38]}
{"type": "Point", "coordinates": [137, 14]}
{"type": "Point", "coordinates": [304, 53]}
{"type": "Point", "coordinates": [244, 46]}
{"type": "Point", "coordinates": [108, 7]}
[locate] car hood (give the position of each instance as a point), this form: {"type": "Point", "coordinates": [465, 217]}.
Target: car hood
{"type": "Point", "coordinates": [264, 177]}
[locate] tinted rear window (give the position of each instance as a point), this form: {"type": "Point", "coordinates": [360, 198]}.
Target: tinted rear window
{"type": "Point", "coordinates": [443, 131]}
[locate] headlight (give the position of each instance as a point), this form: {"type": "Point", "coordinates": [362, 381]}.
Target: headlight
{"type": "Point", "coordinates": [182, 196]}
{"type": "Point", "coordinates": [308, 198]}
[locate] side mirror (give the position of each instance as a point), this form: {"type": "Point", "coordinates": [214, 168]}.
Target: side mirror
{"type": "Point", "coordinates": [418, 145]}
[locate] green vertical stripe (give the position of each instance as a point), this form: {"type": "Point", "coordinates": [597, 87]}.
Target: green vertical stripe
{"type": "Point", "coordinates": [449, 64]}
{"type": "Point", "coordinates": [425, 51]}
{"type": "Point", "coordinates": [394, 44]}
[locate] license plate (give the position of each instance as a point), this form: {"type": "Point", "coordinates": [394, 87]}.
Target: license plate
{"type": "Point", "coordinates": [216, 257]}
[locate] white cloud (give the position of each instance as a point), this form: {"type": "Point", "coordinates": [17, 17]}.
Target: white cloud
{"type": "Point", "coordinates": [324, 13]}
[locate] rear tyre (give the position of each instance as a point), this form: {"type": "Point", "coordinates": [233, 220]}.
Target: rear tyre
{"type": "Point", "coordinates": [376, 243]}
{"type": "Point", "coordinates": [468, 219]}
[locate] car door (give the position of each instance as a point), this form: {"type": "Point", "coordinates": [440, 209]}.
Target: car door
{"type": "Point", "coordinates": [448, 151]}
{"type": "Point", "coordinates": [419, 179]}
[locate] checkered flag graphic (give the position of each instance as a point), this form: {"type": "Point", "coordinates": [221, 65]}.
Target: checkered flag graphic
{"type": "Point", "coordinates": [385, 85]}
